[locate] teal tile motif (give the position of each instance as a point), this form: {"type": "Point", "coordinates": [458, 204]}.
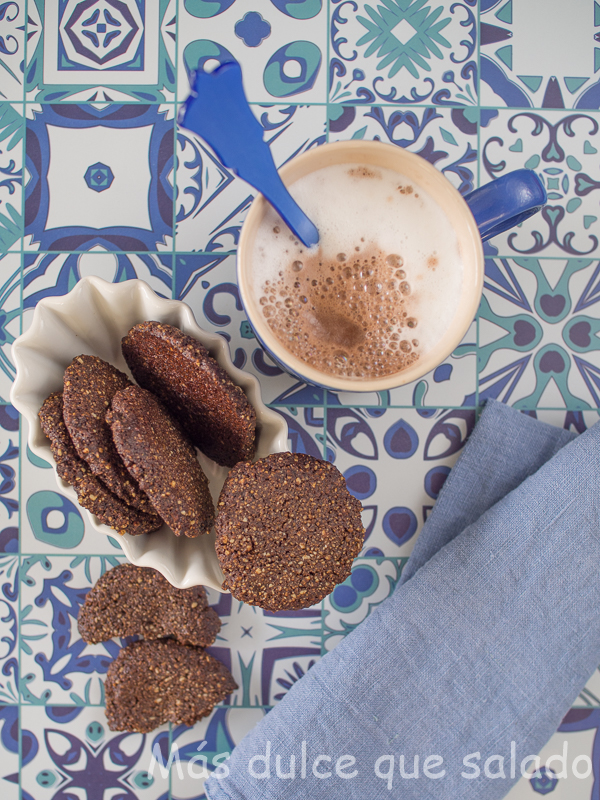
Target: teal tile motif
{"type": "Point", "coordinates": [97, 179]}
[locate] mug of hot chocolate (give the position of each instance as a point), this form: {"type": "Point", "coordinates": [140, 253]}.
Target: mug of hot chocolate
{"type": "Point", "coordinates": [396, 278]}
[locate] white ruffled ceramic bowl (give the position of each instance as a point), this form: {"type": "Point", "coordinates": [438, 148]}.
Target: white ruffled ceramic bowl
{"type": "Point", "coordinates": [92, 319]}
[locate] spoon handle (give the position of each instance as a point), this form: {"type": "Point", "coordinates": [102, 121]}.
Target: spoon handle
{"type": "Point", "coordinates": [217, 110]}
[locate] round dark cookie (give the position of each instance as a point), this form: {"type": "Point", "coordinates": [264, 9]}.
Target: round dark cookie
{"type": "Point", "coordinates": [154, 682]}
{"type": "Point", "coordinates": [89, 386]}
{"type": "Point", "coordinates": [162, 461]}
{"type": "Point", "coordinates": [215, 414]}
{"type": "Point", "coordinates": [91, 492]}
{"type": "Point", "coordinates": [288, 531]}
{"type": "Point", "coordinates": [138, 601]}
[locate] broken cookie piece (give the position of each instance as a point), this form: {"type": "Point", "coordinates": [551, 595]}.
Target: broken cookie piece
{"type": "Point", "coordinates": [91, 492]}
{"type": "Point", "coordinates": [162, 461]}
{"type": "Point", "coordinates": [129, 601]}
{"type": "Point", "coordinates": [154, 682]}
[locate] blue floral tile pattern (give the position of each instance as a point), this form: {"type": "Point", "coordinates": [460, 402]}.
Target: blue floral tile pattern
{"type": "Point", "coordinates": [96, 178]}
{"type": "Point", "coordinates": [537, 333]}
{"type": "Point", "coordinates": [403, 51]}
{"type": "Point", "coordinates": [372, 447]}
{"type": "Point", "coordinates": [560, 147]}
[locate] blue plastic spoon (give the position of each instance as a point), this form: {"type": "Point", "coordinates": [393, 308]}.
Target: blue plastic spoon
{"type": "Point", "coordinates": [217, 110]}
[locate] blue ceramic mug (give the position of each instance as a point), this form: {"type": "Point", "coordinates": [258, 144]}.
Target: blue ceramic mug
{"type": "Point", "coordinates": [483, 213]}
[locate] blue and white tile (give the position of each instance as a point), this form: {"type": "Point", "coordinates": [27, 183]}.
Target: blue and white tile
{"type": "Point", "coordinates": [73, 754]}
{"type": "Point", "coordinates": [560, 73]}
{"type": "Point", "coordinates": [211, 201]}
{"type": "Point", "coordinates": [281, 46]}
{"type": "Point", "coordinates": [447, 138]}
{"type": "Point", "coordinates": [11, 176]}
{"type": "Point", "coordinates": [55, 274]}
{"type": "Point", "coordinates": [372, 581]}
{"type": "Point", "coordinates": [207, 283]}
{"type": "Point", "coordinates": [265, 652]}
{"type": "Point", "coordinates": [562, 149]}
{"type": "Point", "coordinates": [538, 333]}
{"type": "Point", "coordinates": [403, 52]}
{"type": "Point", "coordinates": [9, 748]}
{"type": "Point", "coordinates": [198, 751]}
{"type": "Point", "coordinates": [12, 49]}
{"type": "Point", "coordinates": [57, 666]}
{"type": "Point", "coordinates": [99, 176]}
{"type": "Point", "coordinates": [50, 522]}
{"type": "Point", "coordinates": [10, 318]}
{"type": "Point", "coordinates": [395, 462]}
{"type": "Point", "coordinates": [105, 52]}
{"type": "Point", "coordinates": [9, 623]}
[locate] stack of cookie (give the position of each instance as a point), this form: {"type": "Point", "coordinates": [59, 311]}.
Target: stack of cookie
{"type": "Point", "coordinates": [129, 450]}
{"type": "Point", "coordinates": [287, 528]}
{"type": "Point", "coordinates": [166, 677]}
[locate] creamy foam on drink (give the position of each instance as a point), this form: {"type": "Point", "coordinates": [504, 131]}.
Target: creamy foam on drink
{"type": "Point", "coordinates": [379, 290]}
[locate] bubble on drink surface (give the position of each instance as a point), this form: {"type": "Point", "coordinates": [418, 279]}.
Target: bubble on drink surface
{"type": "Point", "coordinates": [288, 302]}
{"type": "Point", "coordinates": [394, 260]}
{"type": "Point", "coordinates": [340, 358]}
{"type": "Point", "coordinates": [303, 298]}
{"type": "Point", "coordinates": [263, 300]}
{"type": "Point", "coordinates": [268, 311]}
{"type": "Point", "coordinates": [405, 346]}
{"type": "Point", "coordinates": [276, 229]}
{"type": "Point", "coordinates": [415, 342]}
{"type": "Point", "coordinates": [297, 266]}
{"type": "Point", "coordinates": [405, 287]}
{"type": "Point", "coordinates": [412, 322]}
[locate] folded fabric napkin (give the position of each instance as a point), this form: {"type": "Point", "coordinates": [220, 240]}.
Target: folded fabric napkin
{"type": "Point", "coordinates": [479, 652]}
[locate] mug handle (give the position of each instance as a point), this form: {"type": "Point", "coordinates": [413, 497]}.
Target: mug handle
{"type": "Point", "coordinates": [506, 202]}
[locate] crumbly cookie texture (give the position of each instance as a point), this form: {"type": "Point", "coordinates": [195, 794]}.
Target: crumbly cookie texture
{"type": "Point", "coordinates": [214, 413]}
{"type": "Point", "coordinates": [162, 461]}
{"type": "Point", "coordinates": [153, 682]}
{"type": "Point", "coordinates": [91, 492]}
{"type": "Point", "coordinates": [89, 387]}
{"type": "Point", "coordinates": [138, 601]}
{"type": "Point", "coordinates": [288, 531]}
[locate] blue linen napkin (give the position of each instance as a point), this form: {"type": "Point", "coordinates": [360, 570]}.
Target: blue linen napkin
{"type": "Point", "coordinates": [477, 655]}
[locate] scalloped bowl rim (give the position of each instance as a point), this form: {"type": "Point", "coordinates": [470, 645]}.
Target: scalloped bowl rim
{"type": "Point", "coordinates": [184, 562]}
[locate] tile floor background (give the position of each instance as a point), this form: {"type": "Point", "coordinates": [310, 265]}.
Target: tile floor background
{"type": "Point", "coordinates": [96, 178]}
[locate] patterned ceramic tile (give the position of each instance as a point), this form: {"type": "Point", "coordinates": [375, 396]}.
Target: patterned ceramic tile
{"type": "Point", "coordinates": [73, 754]}
{"type": "Point", "coordinates": [9, 624]}
{"type": "Point", "coordinates": [281, 45]}
{"type": "Point", "coordinates": [9, 739]}
{"type": "Point", "coordinates": [11, 175]}
{"type": "Point", "coordinates": [265, 652]}
{"type": "Point", "coordinates": [403, 51]}
{"type": "Point", "coordinates": [102, 51]}
{"type": "Point", "coordinates": [12, 49]}
{"type": "Point", "coordinates": [10, 317]}
{"type": "Point", "coordinates": [395, 462]}
{"type": "Point", "coordinates": [561, 148]}
{"type": "Point", "coordinates": [197, 752]}
{"type": "Point", "coordinates": [561, 74]}
{"type": "Point", "coordinates": [538, 343]}
{"type": "Point", "coordinates": [54, 274]}
{"type": "Point", "coordinates": [99, 175]}
{"type": "Point", "coordinates": [57, 666]}
{"type": "Point", "coordinates": [50, 522]}
{"type": "Point", "coordinates": [372, 581]}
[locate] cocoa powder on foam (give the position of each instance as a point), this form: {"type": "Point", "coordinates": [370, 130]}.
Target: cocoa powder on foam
{"type": "Point", "coordinates": [349, 317]}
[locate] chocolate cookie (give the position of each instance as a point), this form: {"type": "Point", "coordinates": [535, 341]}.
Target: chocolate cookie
{"type": "Point", "coordinates": [162, 461]}
{"type": "Point", "coordinates": [287, 529]}
{"type": "Point", "coordinates": [91, 492]}
{"type": "Point", "coordinates": [150, 683]}
{"type": "Point", "coordinates": [129, 601]}
{"type": "Point", "coordinates": [214, 413]}
{"type": "Point", "coordinates": [89, 386]}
